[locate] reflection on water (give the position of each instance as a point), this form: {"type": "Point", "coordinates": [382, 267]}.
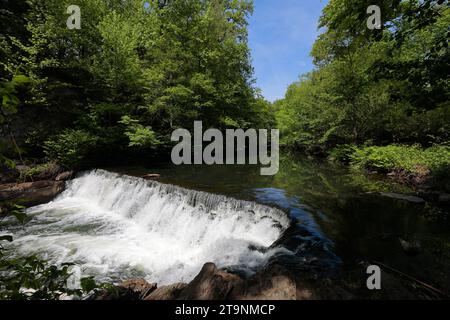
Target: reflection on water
{"type": "Point", "coordinates": [335, 203]}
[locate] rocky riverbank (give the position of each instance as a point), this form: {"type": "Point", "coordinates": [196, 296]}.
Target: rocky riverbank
{"type": "Point", "coordinates": [272, 283]}
{"type": "Point", "coordinates": [33, 193]}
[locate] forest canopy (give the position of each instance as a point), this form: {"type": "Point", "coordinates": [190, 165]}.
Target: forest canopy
{"type": "Point", "coordinates": [134, 72]}
{"type": "Point", "coordinates": [373, 87]}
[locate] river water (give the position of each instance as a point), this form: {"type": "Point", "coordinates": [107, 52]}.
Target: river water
{"type": "Point", "coordinates": [316, 218]}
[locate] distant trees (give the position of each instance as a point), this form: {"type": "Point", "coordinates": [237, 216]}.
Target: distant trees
{"type": "Point", "coordinates": [373, 86]}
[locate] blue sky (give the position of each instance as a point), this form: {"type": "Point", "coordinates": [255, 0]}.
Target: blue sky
{"type": "Point", "coordinates": [281, 36]}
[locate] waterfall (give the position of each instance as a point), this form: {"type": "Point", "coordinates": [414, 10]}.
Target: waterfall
{"type": "Point", "coordinates": [117, 227]}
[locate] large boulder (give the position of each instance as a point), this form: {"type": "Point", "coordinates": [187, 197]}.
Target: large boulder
{"type": "Point", "coordinates": [211, 284]}
{"type": "Point", "coordinates": [271, 284]}
{"type": "Point", "coordinates": [171, 292]}
{"type": "Point", "coordinates": [31, 193]}
{"type": "Point", "coordinates": [140, 287]}
{"type": "Point", "coordinates": [66, 175]}
{"type": "Point", "coordinates": [49, 172]}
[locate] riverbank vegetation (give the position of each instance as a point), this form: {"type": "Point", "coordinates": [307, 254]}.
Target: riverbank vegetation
{"type": "Point", "coordinates": [411, 164]}
{"type": "Point", "coordinates": [376, 98]}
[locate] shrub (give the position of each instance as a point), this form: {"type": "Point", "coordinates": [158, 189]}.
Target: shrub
{"type": "Point", "coordinates": [342, 153]}
{"type": "Point", "coordinates": [71, 148]}
{"type": "Point", "coordinates": [31, 278]}
{"type": "Point", "coordinates": [139, 135]}
{"type": "Point", "coordinates": [44, 171]}
{"type": "Point", "coordinates": [412, 159]}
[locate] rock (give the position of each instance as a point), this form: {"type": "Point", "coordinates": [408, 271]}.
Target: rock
{"type": "Point", "coordinates": [139, 286]}
{"type": "Point", "coordinates": [391, 174]}
{"type": "Point", "coordinates": [211, 284]}
{"type": "Point", "coordinates": [31, 193]}
{"type": "Point", "coordinates": [269, 284]}
{"type": "Point", "coordinates": [171, 292]}
{"type": "Point", "coordinates": [275, 287]}
{"type": "Point", "coordinates": [411, 248]}
{"type": "Point", "coordinates": [68, 297]}
{"type": "Point", "coordinates": [130, 290]}
{"type": "Point", "coordinates": [405, 197]}
{"type": "Point", "coordinates": [151, 176]}
{"type": "Point", "coordinates": [419, 177]}
{"type": "Point", "coordinates": [50, 172]}
{"type": "Point", "coordinates": [273, 283]}
{"type": "Point", "coordinates": [119, 293]}
{"type": "Point", "coordinates": [67, 175]}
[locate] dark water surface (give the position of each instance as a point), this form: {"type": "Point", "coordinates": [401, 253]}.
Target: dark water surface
{"type": "Point", "coordinates": [338, 205]}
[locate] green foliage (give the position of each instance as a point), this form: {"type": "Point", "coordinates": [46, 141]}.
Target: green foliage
{"type": "Point", "coordinates": [342, 153]}
{"type": "Point", "coordinates": [32, 279]}
{"type": "Point", "coordinates": [29, 277]}
{"type": "Point", "coordinates": [8, 209]}
{"type": "Point", "coordinates": [88, 284]}
{"type": "Point", "coordinates": [16, 211]}
{"type": "Point", "coordinates": [8, 94]}
{"type": "Point", "coordinates": [71, 148]}
{"type": "Point", "coordinates": [305, 117]}
{"type": "Point", "coordinates": [161, 65]}
{"type": "Point", "coordinates": [29, 173]}
{"type": "Point", "coordinates": [4, 161]}
{"type": "Point", "coordinates": [139, 135]}
{"type": "Point", "coordinates": [8, 107]}
{"type": "Point", "coordinates": [387, 86]}
{"type": "Point", "coordinates": [410, 158]}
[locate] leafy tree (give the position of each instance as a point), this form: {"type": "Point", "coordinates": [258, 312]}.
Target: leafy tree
{"type": "Point", "coordinates": [71, 148]}
{"type": "Point", "coordinates": [373, 86]}
{"type": "Point", "coordinates": [10, 102]}
{"type": "Point", "coordinates": [157, 64]}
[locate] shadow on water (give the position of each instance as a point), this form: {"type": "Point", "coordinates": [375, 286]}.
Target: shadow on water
{"type": "Point", "coordinates": [336, 209]}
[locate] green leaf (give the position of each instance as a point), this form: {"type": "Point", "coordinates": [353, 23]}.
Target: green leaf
{"type": "Point", "coordinates": [88, 284]}
{"type": "Point", "coordinates": [21, 79]}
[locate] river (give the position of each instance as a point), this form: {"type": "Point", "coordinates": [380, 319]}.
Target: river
{"type": "Point", "coordinates": [317, 218]}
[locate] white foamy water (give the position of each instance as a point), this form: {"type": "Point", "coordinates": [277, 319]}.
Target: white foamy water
{"type": "Point", "coordinates": [117, 227]}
